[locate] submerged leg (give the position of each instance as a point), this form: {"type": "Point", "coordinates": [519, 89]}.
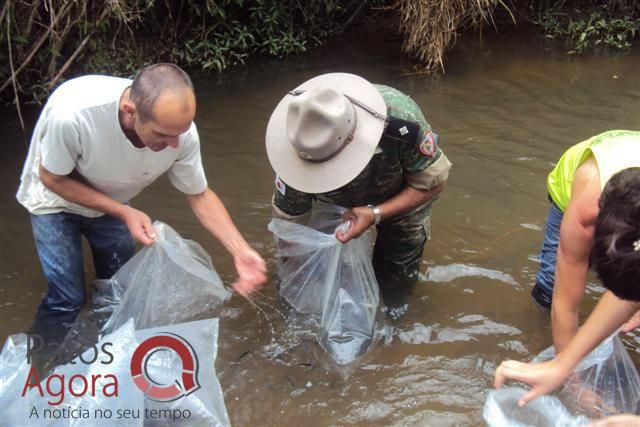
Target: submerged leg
{"type": "Point", "coordinates": [399, 247]}
{"type": "Point", "coordinates": [542, 292]}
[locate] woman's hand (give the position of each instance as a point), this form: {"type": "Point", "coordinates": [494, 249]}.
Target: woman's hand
{"type": "Point", "coordinates": [542, 377]}
{"type": "Point", "coordinates": [632, 323]}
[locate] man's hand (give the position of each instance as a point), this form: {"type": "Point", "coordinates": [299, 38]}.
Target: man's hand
{"type": "Point", "coordinates": [139, 225]}
{"type": "Point", "coordinates": [632, 323]}
{"type": "Point", "coordinates": [75, 189]}
{"type": "Point", "coordinates": [542, 377]}
{"type": "Point", "coordinates": [251, 268]}
{"type": "Point", "coordinates": [361, 219]}
{"type": "Point", "coordinates": [252, 272]}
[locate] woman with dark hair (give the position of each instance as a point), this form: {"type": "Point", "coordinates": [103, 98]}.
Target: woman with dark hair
{"type": "Point", "coordinates": [616, 250]}
{"type": "Point", "coordinates": [615, 257]}
{"type": "Point", "coordinates": [575, 186]}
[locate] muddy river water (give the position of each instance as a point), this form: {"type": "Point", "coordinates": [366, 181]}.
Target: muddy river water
{"type": "Point", "coordinates": [506, 109]}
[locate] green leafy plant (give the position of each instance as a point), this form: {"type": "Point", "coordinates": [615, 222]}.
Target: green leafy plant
{"type": "Point", "coordinates": [597, 29]}
{"type": "Point", "coordinates": [50, 40]}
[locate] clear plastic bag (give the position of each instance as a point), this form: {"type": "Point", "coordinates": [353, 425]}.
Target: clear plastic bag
{"type": "Point", "coordinates": [171, 281]}
{"type": "Point", "coordinates": [14, 409]}
{"type": "Point", "coordinates": [501, 410]}
{"type": "Point", "coordinates": [205, 405]}
{"type": "Point", "coordinates": [129, 397]}
{"type": "Point", "coordinates": [161, 287]}
{"type": "Point", "coordinates": [333, 282]}
{"type": "Point", "coordinates": [604, 383]}
{"type": "Point", "coordinates": [30, 409]}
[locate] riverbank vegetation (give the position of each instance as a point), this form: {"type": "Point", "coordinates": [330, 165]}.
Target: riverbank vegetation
{"type": "Point", "coordinates": [607, 25]}
{"type": "Point", "coordinates": [46, 41]}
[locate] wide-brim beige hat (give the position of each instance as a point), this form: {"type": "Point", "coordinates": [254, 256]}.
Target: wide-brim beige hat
{"type": "Point", "coordinates": [323, 133]}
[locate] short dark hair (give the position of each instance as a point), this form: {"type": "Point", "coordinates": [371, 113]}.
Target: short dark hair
{"type": "Point", "coordinates": [616, 251]}
{"type": "Point", "coordinates": [152, 81]}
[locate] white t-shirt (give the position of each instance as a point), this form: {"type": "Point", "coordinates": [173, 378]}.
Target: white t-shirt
{"type": "Point", "coordinates": [79, 130]}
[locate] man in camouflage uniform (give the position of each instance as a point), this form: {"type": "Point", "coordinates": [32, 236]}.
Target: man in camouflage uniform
{"type": "Point", "coordinates": [394, 191]}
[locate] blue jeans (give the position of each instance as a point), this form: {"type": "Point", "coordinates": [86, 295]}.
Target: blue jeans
{"type": "Point", "coordinates": [59, 246]}
{"type": "Point", "coordinates": [543, 289]}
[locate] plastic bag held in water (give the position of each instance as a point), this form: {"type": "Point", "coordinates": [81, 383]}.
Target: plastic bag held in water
{"type": "Point", "coordinates": [164, 289]}
{"type": "Point", "coordinates": [171, 281]}
{"type": "Point", "coordinates": [501, 410]}
{"type": "Point", "coordinates": [331, 281]}
{"type": "Point", "coordinates": [604, 383]}
{"type": "Point", "coordinates": [18, 410]}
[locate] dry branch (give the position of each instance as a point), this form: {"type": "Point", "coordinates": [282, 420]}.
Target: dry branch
{"type": "Point", "coordinates": [15, 85]}
{"type": "Point", "coordinates": [77, 51]}
{"type": "Point", "coordinates": [36, 47]}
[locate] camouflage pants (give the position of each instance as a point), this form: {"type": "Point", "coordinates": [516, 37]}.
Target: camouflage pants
{"type": "Point", "coordinates": [399, 245]}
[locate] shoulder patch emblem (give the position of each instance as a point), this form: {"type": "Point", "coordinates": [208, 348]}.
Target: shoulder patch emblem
{"type": "Point", "coordinates": [428, 144]}
{"type": "Point", "coordinates": [280, 185]}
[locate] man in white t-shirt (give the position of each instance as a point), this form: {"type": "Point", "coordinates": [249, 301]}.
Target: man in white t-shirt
{"type": "Point", "coordinates": [98, 142]}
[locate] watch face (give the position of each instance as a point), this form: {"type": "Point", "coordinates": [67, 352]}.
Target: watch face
{"type": "Point", "coordinates": [376, 213]}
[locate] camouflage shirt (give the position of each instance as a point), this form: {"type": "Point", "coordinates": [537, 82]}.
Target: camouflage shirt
{"type": "Point", "coordinates": [395, 164]}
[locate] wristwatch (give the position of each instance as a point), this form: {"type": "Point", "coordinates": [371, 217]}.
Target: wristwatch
{"type": "Point", "coordinates": [377, 215]}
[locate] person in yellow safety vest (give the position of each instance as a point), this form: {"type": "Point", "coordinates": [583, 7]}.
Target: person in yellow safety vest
{"type": "Point", "coordinates": [595, 193]}
{"type": "Point", "coordinates": [575, 186]}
